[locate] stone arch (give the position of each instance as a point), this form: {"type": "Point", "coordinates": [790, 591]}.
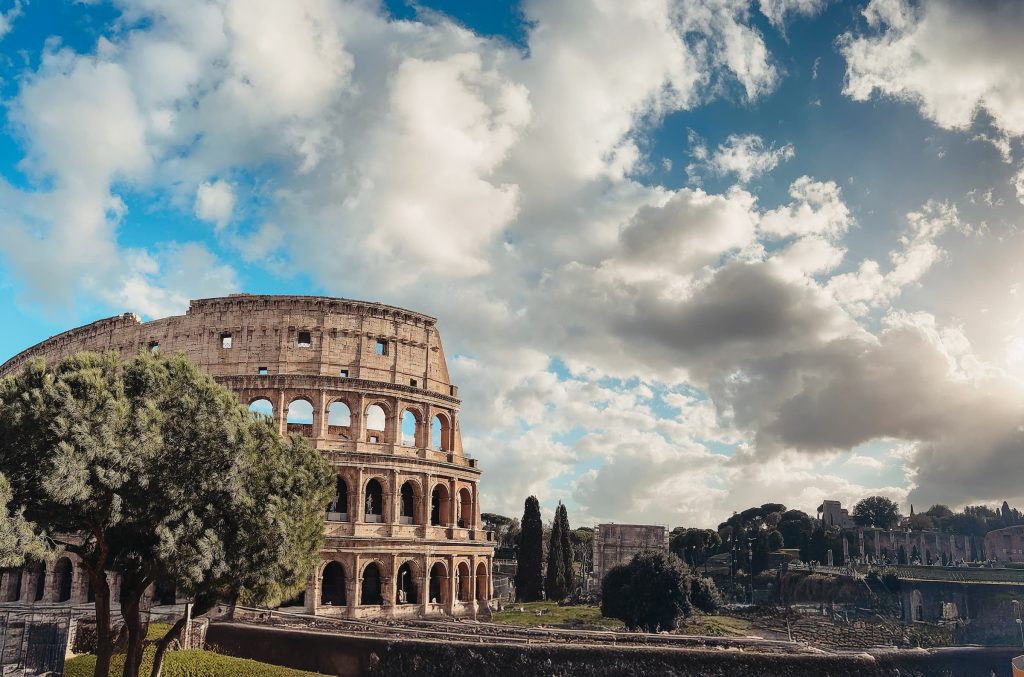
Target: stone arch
{"type": "Point", "coordinates": [440, 506]}
{"type": "Point", "coordinates": [465, 518]}
{"type": "Point", "coordinates": [300, 416]}
{"type": "Point", "coordinates": [371, 584]}
{"type": "Point", "coordinates": [262, 406]}
{"type": "Point", "coordinates": [40, 583]}
{"type": "Point", "coordinates": [339, 417]}
{"type": "Point", "coordinates": [373, 508]}
{"type": "Point", "coordinates": [462, 582]}
{"type": "Point", "coordinates": [438, 583]}
{"type": "Point", "coordinates": [337, 508]}
{"type": "Point", "coordinates": [62, 573]}
{"type": "Point", "coordinates": [376, 422]}
{"type": "Point", "coordinates": [481, 581]}
{"type": "Point", "coordinates": [408, 500]}
{"type": "Point", "coordinates": [441, 432]}
{"type": "Point", "coordinates": [332, 585]}
{"type": "Point", "coordinates": [411, 428]}
{"type": "Point", "coordinates": [14, 589]}
{"type": "Point", "coordinates": [406, 590]}
{"type": "Point", "coordinates": [916, 606]}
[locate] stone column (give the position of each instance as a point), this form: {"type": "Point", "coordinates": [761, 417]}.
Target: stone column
{"type": "Point", "coordinates": [453, 591]}
{"type": "Point", "coordinates": [425, 500]}
{"type": "Point", "coordinates": [354, 583]}
{"type": "Point", "coordinates": [28, 590]}
{"type": "Point", "coordinates": [79, 584]}
{"type": "Point", "coordinates": [396, 497]}
{"type": "Point", "coordinates": [281, 413]}
{"type": "Point", "coordinates": [313, 588]}
{"type": "Point", "coordinates": [320, 416]}
{"type": "Point", "coordinates": [425, 586]}
{"type": "Point", "coordinates": [428, 427]}
{"type": "Point", "coordinates": [359, 514]}
{"type": "Point", "coordinates": [453, 501]}
{"type": "Point", "coordinates": [359, 419]}
{"type": "Point", "coordinates": [391, 584]}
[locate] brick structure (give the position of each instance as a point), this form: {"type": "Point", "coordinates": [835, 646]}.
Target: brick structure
{"type": "Point", "coordinates": [368, 385]}
{"type": "Point", "coordinates": [833, 514]}
{"type": "Point", "coordinates": [1005, 545]}
{"type": "Point", "coordinates": [616, 544]}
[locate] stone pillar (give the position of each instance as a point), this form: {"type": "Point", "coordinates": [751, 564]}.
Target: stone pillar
{"type": "Point", "coordinates": [27, 589]}
{"type": "Point", "coordinates": [425, 586]}
{"type": "Point", "coordinates": [354, 583]}
{"type": "Point", "coordinates": [320, 416]}
{"type": "Point", "coordinates": [426, 499]}
{"type": "Point", "coordinates": [390, 584]}
{"type": "Point", "coordinates": [79, 584]}
{"type": "Point", "coordinates": [395, 504]}
{"type": "Point", "coordinates": [314, 587]}
{"type": "Point", "coordinates": [359, 419]}
{"type": "Point", "coordinates": [428, 427]}
{"type": "Point", "coordinates": [452, 502]}
{"type": "Point", "coordinates": [393, 434]}
{"type": "Point", "coordinates": [453, 591]}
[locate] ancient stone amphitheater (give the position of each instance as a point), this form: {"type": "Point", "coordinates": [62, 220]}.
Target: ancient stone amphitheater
{"type": "Point", "coordinates": [368, 385]}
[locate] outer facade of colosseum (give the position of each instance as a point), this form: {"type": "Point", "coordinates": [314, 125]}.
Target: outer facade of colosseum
{"type": "Point", "coordinates": [368, 385]}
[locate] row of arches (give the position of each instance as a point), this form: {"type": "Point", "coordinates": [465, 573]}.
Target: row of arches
{"type": "Point", "coordinates": [340, 508]}
{"type": "Point", "coordinates": [371, 587]}
{"type": "Point", "coordinates": [33, 583]}
{"type": "Point", "coordinates": [339, 416]}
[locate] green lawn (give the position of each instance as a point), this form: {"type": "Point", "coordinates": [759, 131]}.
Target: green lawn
{"type": "Point", "coordinates": [549, 614]}
{"type": "Point", "coordinates": [188, 664]}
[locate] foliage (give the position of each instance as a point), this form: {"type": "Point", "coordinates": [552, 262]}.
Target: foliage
{"type": "Point", "coordinates": [920, 522]}
{"type": "Point", "coordinates": [565, 534]}
{"type": "Point", "coordinates": [191, 664]}
{"type": "Point", "coordinates": [167, 476]}
{"type": "Point", "coordinates": [582, 540]}
{"type": "Point", "coordinates": [704, 594]}
{"type": "Point", "coordinates": [651, 592]}
{"type": "Point", "coordinates": [555, 587]}
{"type": "Point", "coordinates": [694, 546]}
{"type": "Point", "coordinates": [18, 538]}
{"type": "Point", "coordinates": [531, 552]}
{"type": "Point", "coordinates": [876, 511]}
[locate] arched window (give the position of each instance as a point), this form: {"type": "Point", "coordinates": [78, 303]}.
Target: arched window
{"type": "Point", "coordinates": [301, 412]}
{"type": "Point", "coordinates": [62, 574]}
{"type": "Point", "coordinates": [338, 415]}
{"type": "Point", "coordinates": [263, 407]}
{"type": "Point", "coordinates": [481, 581]}
{"type": "Point", "coordinates": [371, 592]}
{"type": "Point", "coordinates": [462, 588]}
{"type": "Point", "coordinates": [408, 504]}
{"type": "Point", "coordinates": [14, 589]}
{"type": "Point", "coordinates": [465, 509]}
{"type": "Point", "coordinates": [337, 509]}
{"type": "Point", "coordinates": [374, 508]}
{"type": "Point", "coordinates": [376, 423]}
{"type": "Point", "coordinates": [441, 433]}
{"type": "Point", "coordinates": [410, 429]}
{"type": "Point", "coordinates": [405, 585]}
{"type": "Point", "coordinates": [40, 583]}
{"type": "Point", "coordinates": [439, 506]}
{"type": "Point", "coordinates": [332, 585]}
{"type": "Point", "coordinates": [438, 584]}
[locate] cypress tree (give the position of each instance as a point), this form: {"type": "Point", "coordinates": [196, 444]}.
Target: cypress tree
{"type": "Point", "coordinates": [531, 553]}
{"type": "Point", "coordinates": [567, 552]}
{"type": "Point", "coordinates": [554, 582]}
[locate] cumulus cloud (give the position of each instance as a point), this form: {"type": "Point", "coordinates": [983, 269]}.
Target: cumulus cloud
{"type": "Point", "coordinates": [777, 11]}
{"type": "Point", "coordinates": [951, 58]}
{"type": "Point", "coordinates": [747, 156]}
{"type": "Point", "coordinates": [7, 18]}
{"type": "Point", "coordinates": [215, 202]}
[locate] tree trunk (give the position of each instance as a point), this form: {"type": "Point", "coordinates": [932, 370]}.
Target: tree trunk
{"type": "Point", "coordinates": [104, 640]}
{"type": "Point", "coordinates": [131, 599]}
{"type": "Point", "coordinates": [161, 647]}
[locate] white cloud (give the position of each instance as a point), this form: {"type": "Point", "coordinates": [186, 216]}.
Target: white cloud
{"type": "Point", "coordinates": [747, 156]}
{"type": "Point", "coordinates": [952, 58]}
{"type": "Point", "coordinates": [7, 18]}
{"type": "Point", "coordinates": [817, 209]}
{"type": "Point", "coordinates": [777, 11]}
{"type": "Point", "coordinates": [215, 202]}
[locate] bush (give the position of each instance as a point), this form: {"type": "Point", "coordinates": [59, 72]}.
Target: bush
{"type": "Point", "coordinates": [188, 664]}
{"type": "Point", "coordinates": [704, 595]}
{"type": "Point", "coordinates": [650, 593]}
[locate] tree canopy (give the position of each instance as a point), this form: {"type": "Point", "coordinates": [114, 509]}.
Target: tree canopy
{"type": "Point", "coordinates": [18, 538]}
{"type": "Point", "coordinates": [876, 511]}
{"type": "Point", "coordinates": [651, 592]}
{"type": "Point", "coordinates": [152, 470]}
{"type": "Point", "coordinates": [529, 580]}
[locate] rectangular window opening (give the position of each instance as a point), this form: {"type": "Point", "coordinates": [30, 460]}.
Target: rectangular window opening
{"type": "Point", "coordinates": [412, 382]}
{"type": "Point", "coordinates": [263, 371]}
{"type": "Point", "coordinates": [225, 340]}
{"type": "Point", "coordinates": [374, 439]}
{"type": "Point", "coordinates": [343, 373]}
{"type": "Point", "coordinates": [154, 347]}
{"type": "Point", "coordinates": [382, 347]}
{"type": "Point", "coordinates": [305, 340]}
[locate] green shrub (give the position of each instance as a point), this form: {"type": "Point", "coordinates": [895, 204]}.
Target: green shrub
{"type": "Point", "coordinates": [188, 664]}
{"type": "Point", "coordinates": [704, 594]}
{"type": "Point", "coordinates": [650, 593]}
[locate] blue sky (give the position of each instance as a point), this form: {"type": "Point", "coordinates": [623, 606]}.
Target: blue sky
{"type": "Point", "coordinates": [686, 256]}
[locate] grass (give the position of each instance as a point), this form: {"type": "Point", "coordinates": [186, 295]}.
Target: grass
{"type": "Point", "coordinates": [549, 614]}
{"type": "Point", "coordinates": [188, 664]}
{"type": "Point", "coordinates": [716, 626]}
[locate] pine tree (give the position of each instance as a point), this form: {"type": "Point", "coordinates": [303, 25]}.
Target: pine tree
{"type": "Point", "coordinates": [567, 551]}
{"type": "Point", "coordinates": [530, 558]}
{"type": "Point", "coordinates": [554, 582]}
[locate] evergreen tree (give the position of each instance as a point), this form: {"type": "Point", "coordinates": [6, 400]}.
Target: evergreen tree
{"type": "Point", "coordinates": [158, 473]}
{"type": "Point", "coordinates": [567, 551]}
{"type": "Point", "coordinates": [18, 538]}
{"type": "Point", "coordinates": [651, 592]}
{"type": "Point", "coordinates": [530, 558]}
{"type": "Point", "coordinates": [554, 581]}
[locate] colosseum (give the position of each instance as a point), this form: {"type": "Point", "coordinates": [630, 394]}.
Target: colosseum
{"type": "Point", "coordinates": [368, 385]}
